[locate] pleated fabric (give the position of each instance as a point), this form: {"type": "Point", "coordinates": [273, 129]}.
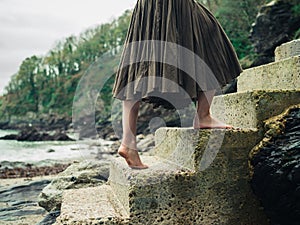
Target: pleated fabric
{"type": "Point", "coordinates": [174, 49]}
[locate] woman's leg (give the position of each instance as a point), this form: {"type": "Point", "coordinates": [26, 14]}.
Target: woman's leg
{"type": "Point", "coordinates": [128, 148]}
{"type": "Point", "coordinates": [203, 118]}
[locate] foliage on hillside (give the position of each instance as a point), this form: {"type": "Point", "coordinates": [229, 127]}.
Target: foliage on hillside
{"type": "Point", "coordinates": [46, 84]}
{"type": "Point", "coordinates": [236, 17]}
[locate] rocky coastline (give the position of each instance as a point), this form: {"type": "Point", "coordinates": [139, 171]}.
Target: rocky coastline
{"type": "Point", "coordinates": [47, 179]}
{"type": "Point", "coordinates": [31, 193]}
{"type": "Point", "coordinates": [33, 134]}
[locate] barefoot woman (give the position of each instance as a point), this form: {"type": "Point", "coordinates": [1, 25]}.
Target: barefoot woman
{"type": "Point", "coordinates": [185, 23]}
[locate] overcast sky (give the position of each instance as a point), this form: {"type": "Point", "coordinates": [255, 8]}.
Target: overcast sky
{"type": "Point", "coordinates": [32, 27]}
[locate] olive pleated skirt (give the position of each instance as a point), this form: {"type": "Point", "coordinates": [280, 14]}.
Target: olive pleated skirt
{"type": "Point", "coordinates": [174, 49]}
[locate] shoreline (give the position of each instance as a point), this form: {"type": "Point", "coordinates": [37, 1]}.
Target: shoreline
{"type": "Point", "coordinates": [6, 185]}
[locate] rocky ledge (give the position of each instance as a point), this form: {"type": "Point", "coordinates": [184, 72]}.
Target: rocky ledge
{"type": "Point", "coordinates": [276, 168]}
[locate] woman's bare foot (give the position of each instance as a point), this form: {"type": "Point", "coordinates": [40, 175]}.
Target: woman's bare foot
{"type": "Point", "coordinates": [132, 157]}
{"type": "Point", "coordinates": [208, 122]}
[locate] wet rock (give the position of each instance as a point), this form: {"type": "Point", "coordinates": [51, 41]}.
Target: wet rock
{"type": "Point", "coordinates": [276, 23]}
{"type": "Point", "coordinates": [50, 218]}
{"type": "Point", "coordinates": [78, 175]}
{"type": "Point", "coordinates": [276, 168]}
{"type": "Point", "coordinates": [4, 125]}
{"type": "Point", "coordinates": [20, 201]}
{"type": "Point", "coordinates": [33, 134]}
{"type": "Point", "coordinates": [9, 137]}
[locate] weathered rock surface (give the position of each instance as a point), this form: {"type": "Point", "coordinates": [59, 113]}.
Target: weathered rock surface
{"type": "Point", "coordinates": [251, 108]}
{"type": "Point", "coordinates": [78, 175]}
{"type": "Point", "coordinates": [32, 134]}
{"type": "Point", "coordinates": [276, 23]}
{"type": "Point", "coordinates": [180, 189]}
{"type": "Point", "coordinates": [279, 76]}
{"type": "Point", "coordinates": [94, 202]}
{"type": "Point", "coordinates": [287, 50]}
{"type": "Point", "coordinates": [276, 168]}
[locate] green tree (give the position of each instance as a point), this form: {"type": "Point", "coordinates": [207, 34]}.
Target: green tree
{"type": "Point", "coordinates": [236, 17]}
{"type": "Point", "coordinates": [22, 90]}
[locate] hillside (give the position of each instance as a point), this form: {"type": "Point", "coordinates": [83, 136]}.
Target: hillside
{"type": "Point", "coordinates": [42, 91]}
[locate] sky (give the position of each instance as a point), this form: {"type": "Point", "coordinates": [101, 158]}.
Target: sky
{"type": "Point", "coordinates": [32, 27]}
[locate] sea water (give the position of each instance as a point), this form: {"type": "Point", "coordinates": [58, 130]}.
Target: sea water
{"type": "Point", "coordinates": [17, 151]}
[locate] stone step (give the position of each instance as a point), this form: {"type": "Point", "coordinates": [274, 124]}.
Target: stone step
{"type": "Point", "coordinates": [287, 50]}
{"type": "Point", "coordinates": [93, 205]}
{"type": "Point", "coordinates": [196, 149]}
{"type": "Point", "coordinates": [215, 190]}
{"type": "Point", "coordinates": [250, 109]}
{"type": "Point", "coordinates": [280, 75]}
{"type": "Point", "coordinates": [142, 190]}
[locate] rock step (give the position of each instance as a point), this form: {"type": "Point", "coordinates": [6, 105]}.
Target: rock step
{"type": "Point", "coordinates": [93, 205]}
{"type": "Point", "coordinates": [280, 75]}
{"type": "Point", "coordinates": [168, 193]}
{"type": "Point", "coordinates": [196, 149]}
{"type": "Point", "coordinates": [142, 190]}
{"type": "Point", "coordinates": [287, 50]}
{"type": "Point", "coordinates": [250, 109]}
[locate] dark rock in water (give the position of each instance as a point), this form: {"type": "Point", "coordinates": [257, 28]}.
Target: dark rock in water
{"type": "Point", "coordinates": [9, 137]}
{"type": "Point", "coordinates": [276, 168]}
{"type": "Point", "coordinates": [21, 201]}
{"type": "Point", "coordinates": [32, 134]}
{"type": "Point", "coordinates": [4, 125]}
{"type": "Point", "coordinates": [276, 23]}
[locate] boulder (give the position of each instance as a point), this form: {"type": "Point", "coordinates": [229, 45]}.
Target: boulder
{"type": "Point", "coordinates": [275, 166]}
{"type": "Point", "coordinates": [277, 22]}
{"type": "Point", "coordinates": [78, 175]}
